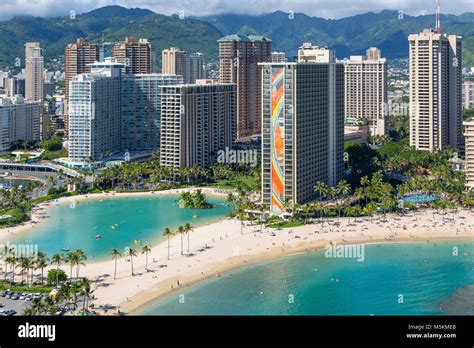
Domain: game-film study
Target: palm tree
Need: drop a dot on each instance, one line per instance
(288, 205)
(343, 188)
(167, 233)
(332, 193)
(14, 261)
(188, 228)
(10, 260)
(71, 260)
(57, 259)
(86, 291)
(364, 181)
(64, 293)
(181, 231)
(321, 188)
(316, 207)
(5, 254)
(115, 255)
(80, 257)
(26, 263)
(348, 212)
(37, 306)
(41, 263)
(240, 214)
(146, 250)
(131, 253)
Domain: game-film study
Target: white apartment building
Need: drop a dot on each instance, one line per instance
(20, 119)
(469, 153)
(279, 57)
(366, 93)
(468, 94)
(95, 112)
(315, 54)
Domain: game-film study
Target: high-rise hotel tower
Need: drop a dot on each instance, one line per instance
(197, 121)
(138, 56)
(435, 91)
(239, 57)
(366, 90)
(303, 127)
(34, 71)
(78, 56)
(95, 112)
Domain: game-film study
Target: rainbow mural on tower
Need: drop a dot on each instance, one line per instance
(278, 143)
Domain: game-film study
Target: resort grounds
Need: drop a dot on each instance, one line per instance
(225, 245)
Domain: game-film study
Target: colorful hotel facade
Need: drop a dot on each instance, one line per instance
(302, 128)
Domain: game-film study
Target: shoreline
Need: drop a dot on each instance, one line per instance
(39, 213)
(220, 247)
(142, 289)
(138, 310)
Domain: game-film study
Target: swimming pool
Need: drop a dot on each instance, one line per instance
(420, 198)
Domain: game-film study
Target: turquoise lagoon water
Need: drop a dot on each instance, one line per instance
(430, 278)
(75, 225)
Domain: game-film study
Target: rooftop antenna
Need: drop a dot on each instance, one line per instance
(102, 40)
(438, 17)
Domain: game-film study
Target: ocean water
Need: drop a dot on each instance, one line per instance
(120, 221)
(394, 279)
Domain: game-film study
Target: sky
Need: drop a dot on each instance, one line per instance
(319, 8)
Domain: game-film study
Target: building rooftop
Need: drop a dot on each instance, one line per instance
(240, 37)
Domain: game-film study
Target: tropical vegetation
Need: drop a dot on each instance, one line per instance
(194, 200)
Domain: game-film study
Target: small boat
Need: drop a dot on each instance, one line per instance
(114, 226)
(195, 216)
(65, 249)
(98, 236)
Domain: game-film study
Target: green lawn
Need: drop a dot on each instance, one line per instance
(250, 181)
(52, 155)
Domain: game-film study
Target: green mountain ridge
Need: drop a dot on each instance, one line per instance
(349, 36)
(115, 22)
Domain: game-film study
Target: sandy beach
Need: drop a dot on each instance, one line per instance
(219, 247)
(40, 212)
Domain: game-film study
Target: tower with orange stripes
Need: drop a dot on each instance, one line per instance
(302, 127)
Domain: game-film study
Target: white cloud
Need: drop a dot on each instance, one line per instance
(319, 8)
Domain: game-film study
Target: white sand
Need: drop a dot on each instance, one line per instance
(229, 249)
(41, 211)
